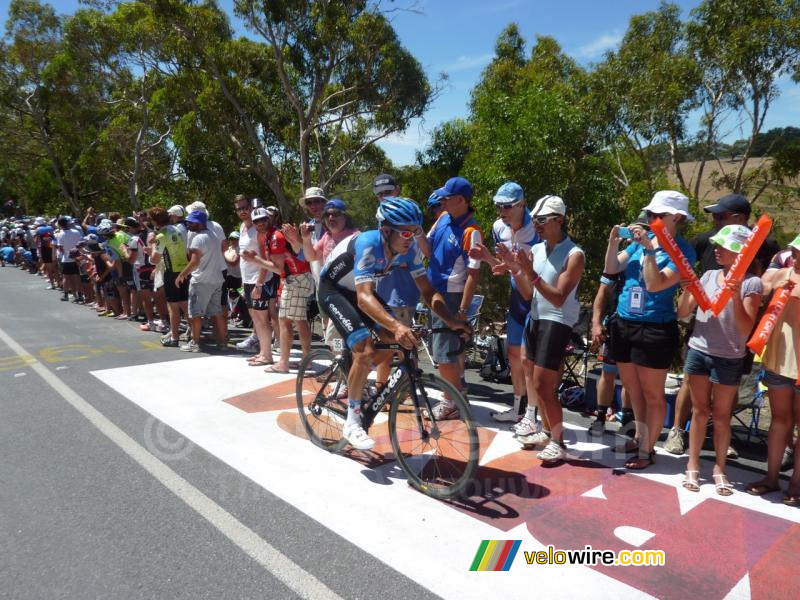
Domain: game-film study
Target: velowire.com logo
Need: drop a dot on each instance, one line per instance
(495, 555)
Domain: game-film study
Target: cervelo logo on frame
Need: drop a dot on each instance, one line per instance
(495, 555)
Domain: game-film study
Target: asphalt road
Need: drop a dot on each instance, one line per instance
(87, 509)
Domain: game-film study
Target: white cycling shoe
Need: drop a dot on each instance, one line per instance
(357, 437)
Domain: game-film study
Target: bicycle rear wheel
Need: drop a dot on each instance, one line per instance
(321, 382)
(438, 457)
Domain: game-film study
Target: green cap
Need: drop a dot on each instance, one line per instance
(732, 237)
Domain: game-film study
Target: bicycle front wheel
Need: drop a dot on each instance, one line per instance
(439, 457)
(322, 399)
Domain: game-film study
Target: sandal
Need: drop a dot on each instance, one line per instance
(629, 447)
(759, 488)
(691, 481)
(274, 369)
(260, 363)
(791, 497)
(641, 461)
(723, 485)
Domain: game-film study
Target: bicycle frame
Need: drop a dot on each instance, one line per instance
(374, 404)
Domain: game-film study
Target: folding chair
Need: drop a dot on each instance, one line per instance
(576, 361)
(754, 405)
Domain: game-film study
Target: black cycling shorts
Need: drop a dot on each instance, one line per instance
(341, 307)
(269, 290)
(127, 275)
(546, 342)
(146, 282)
(172, 291)
(69, 268)
(651, 345)
(47, 255)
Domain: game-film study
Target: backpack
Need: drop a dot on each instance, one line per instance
(495, 367)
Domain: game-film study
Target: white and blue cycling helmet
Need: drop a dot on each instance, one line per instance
(398, 211)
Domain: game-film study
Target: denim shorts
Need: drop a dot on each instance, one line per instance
(724, 371)
(773, 380)
(446, 342)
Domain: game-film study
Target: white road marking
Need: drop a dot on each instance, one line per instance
(276, 563)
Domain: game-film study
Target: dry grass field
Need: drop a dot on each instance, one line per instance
(785, 213)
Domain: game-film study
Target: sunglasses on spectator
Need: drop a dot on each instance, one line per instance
(404, 233)
(544, 219)
(314, 201)
(242, 208)
(261, 220)
(724, 215)
(334, 214)
(508, 205)
(652, 215)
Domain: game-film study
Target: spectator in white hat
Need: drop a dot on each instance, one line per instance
(644, 335)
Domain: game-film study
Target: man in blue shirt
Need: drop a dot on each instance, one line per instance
(453, 274)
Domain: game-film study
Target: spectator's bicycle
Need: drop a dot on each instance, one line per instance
(438, 457)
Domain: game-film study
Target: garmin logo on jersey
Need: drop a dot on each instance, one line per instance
(335, 270)
(335, 312)
(389, 385)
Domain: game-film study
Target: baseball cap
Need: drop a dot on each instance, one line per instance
(383, 183)
(259, 213)
(336, 204)
(131, 222)
(795, 243)
(197, 205)
(176, 211)
(121, 223)
(508, 192)
(670, 202)
(549, 205)
(234, 235)
(455, 186)
(735, 203)
(197, 216)
(731, 237)
(434, 200)
(641, 219)
(312, 192)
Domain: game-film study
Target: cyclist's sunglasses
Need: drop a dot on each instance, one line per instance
(544, 219)
(404, 233)
(507, 205)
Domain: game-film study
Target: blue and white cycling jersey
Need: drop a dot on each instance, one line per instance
(522, 239)
(359, 258)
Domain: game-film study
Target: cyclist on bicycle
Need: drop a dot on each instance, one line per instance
(347, 296)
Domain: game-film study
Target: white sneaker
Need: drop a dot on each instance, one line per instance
(540, 438)
(445, 412)
(190, 346)
(553, 452)
(506, 416)
(357, 437)
(249, 345)
(526, 427)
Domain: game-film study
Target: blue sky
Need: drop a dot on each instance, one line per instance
(457, 37)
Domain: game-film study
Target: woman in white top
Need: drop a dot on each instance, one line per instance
(549, 276)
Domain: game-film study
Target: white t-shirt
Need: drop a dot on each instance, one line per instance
(208, 270)
(67, 240)
(248, 240)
